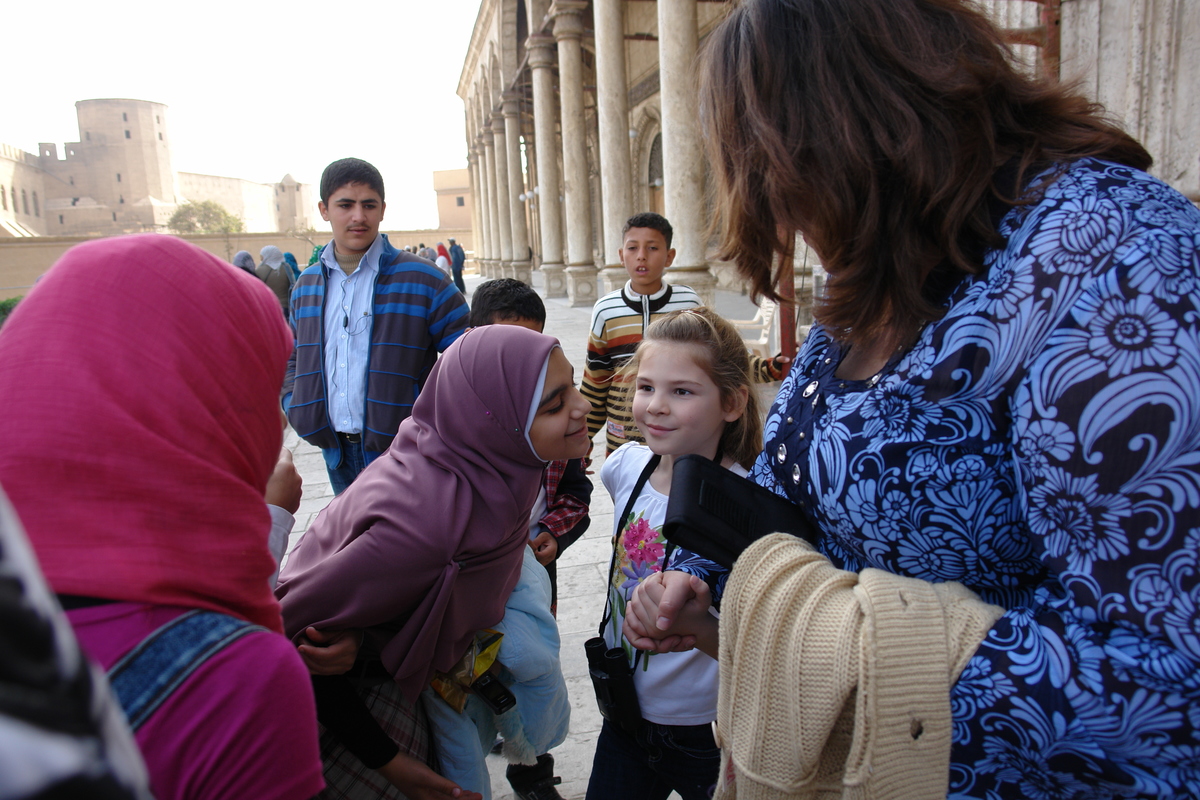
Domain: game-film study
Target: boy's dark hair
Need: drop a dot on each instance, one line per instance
(505, 299)
(350, 170)
(648, 219)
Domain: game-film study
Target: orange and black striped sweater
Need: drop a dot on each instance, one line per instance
(618, 322)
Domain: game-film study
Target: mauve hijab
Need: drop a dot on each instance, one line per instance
(243, 259)
(424, 548)
(141, 421)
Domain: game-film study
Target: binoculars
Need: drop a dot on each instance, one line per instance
(612, 678)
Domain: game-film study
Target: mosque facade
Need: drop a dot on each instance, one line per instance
(579, 113)
(118, 178)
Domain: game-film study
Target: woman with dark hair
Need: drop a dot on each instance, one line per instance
(993, 424)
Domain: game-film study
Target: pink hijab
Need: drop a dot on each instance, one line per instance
(140, 392)
(425, 546)
(442, 251)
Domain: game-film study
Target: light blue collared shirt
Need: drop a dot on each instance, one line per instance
(349, 314)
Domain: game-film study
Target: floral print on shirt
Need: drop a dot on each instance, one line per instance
(640, 552)
(1041, 444)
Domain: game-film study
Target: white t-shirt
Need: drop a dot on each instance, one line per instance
(673, 688)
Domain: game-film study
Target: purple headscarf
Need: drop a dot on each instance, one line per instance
(424, 548)
(244, 260)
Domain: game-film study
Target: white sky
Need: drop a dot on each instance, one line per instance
(256, 89)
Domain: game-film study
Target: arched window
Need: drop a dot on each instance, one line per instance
(14, 197)
(654, 175)
(37, 212)
(4, 196)
(25, 202)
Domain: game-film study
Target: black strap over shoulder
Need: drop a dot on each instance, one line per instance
(651, 465)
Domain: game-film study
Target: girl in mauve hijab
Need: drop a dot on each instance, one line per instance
(141, 422)
(426, 545)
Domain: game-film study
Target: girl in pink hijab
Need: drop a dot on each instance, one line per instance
(141, 422)
(426, 545)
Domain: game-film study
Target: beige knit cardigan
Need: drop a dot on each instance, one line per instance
(836, 684)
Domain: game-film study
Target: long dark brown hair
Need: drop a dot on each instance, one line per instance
(877, 129)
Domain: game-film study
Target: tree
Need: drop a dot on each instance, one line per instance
(207, 216)
(7, 306)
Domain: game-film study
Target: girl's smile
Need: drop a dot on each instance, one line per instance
(676, 405)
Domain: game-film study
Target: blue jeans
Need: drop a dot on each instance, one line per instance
(344, 463)
(662, 758)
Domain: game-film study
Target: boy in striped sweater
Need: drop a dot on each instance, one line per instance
(620, 317)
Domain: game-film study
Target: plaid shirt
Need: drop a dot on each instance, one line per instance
(563, 511)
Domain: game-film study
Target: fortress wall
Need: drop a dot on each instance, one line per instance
(22, 261)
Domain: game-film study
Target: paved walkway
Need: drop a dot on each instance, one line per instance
(582, 569)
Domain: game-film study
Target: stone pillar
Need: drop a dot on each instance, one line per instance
(503, 196)
(489, 161)
(532, 211)
(616, 171)
(683, 158)
(516, 187)
(581, 263)
(476, 219)
(487, 243)
(540, 48)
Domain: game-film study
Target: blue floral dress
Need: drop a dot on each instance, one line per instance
(1040, 444)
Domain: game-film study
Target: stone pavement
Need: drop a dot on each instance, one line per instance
(582, 569)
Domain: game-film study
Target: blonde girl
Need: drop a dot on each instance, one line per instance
(692, 395)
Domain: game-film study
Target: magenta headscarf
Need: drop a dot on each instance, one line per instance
(140, 383)
(425, 546)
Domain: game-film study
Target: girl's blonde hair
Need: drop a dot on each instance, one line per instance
(726, 362)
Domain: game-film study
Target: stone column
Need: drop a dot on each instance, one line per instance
(476, 219)
(487, 244)
(532, 211)
(616, 171)
(503, 196)
(519, 267)
(489, 160)
(581, 263)
(683, 159)
(540, 48)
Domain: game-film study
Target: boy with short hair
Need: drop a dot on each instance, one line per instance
(620, 318)
(369, 321)
(507, 301)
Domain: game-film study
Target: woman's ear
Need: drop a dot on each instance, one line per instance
(736, 405)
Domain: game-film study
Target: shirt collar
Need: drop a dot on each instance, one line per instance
(636, 296)
(369, 262)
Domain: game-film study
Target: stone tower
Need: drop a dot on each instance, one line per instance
(119, 174)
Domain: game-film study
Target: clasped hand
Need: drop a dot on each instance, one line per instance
(669, 613)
